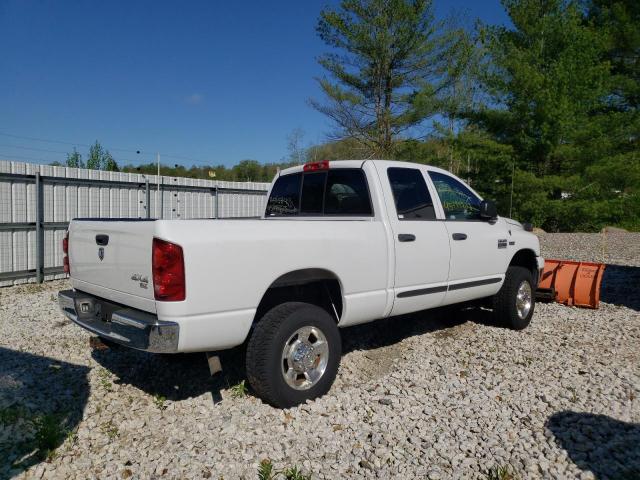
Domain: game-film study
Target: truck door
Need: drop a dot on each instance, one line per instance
(421, 241)
(478, 247)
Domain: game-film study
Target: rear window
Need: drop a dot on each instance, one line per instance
(347, 193)
(285, 196)
(312, 192)
(342, 191)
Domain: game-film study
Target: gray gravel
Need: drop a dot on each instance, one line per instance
(444, 394)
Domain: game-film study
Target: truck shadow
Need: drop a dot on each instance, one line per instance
(182, 376)
(607, 447)
(620, 286)
(34, 421)
(175, 377)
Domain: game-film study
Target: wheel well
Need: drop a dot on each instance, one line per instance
(313, 285)
(526, 259)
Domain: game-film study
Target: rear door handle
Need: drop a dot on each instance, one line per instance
(406, 237)
(459, 236)
(102, 240)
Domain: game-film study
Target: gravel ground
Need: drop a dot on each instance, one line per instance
(441, 394)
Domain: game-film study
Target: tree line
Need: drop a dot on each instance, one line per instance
(541, 115)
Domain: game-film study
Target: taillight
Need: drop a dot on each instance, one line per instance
(168, 271)
(315, 166)
(65, 250)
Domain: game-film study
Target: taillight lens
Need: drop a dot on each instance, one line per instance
(65, 250)
(168, 271)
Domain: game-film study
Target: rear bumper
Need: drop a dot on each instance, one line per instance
(129, 327)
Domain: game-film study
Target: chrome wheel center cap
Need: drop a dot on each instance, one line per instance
(303, 358)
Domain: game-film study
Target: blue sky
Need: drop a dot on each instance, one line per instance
(212, 81)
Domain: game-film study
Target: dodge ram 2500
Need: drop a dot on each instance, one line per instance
(340, 243)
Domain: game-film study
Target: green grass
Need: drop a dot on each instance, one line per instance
(501, 472)
(47, 430)
(266, 471)
(160, 401)
(11, 415)
(239, 390)
(105, 379)
(110, 429)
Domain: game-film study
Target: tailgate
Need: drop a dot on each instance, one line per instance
(112, 258)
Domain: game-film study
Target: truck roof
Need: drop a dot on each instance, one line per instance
(358, 164)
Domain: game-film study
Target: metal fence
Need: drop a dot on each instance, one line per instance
(38, 201)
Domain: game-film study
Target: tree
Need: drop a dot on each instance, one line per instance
(546, 80)
(388, 70)
(109, 163)
(295, 140)
(74, 159)
(95, 157)
(100, 159)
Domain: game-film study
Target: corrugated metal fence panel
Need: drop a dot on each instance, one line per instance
(65, 201)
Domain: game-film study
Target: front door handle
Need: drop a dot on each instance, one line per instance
(459, 236)
(406, 237)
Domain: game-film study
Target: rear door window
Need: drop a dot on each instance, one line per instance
(410, 194)
(285, 196)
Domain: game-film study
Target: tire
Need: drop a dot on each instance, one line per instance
(289, 337)
(505, 302)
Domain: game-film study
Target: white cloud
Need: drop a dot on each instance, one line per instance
(194, 99)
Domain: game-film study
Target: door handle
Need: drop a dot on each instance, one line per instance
(102, 240)
(459, 236)
(406, 237)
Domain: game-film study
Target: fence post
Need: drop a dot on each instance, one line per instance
(217, 213)
(147, 196)
(161, 193)
(39, 229)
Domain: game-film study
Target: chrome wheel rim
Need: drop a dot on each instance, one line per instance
(524, 300)
(304, 358)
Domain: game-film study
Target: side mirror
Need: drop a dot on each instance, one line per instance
(488, 210)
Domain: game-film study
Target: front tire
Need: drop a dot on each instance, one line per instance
(293, 354)
(513, 305)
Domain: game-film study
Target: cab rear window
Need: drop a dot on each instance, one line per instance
(338, 192)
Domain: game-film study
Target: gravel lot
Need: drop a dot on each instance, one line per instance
(442, 394)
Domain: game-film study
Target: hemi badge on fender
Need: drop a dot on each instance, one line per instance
(502, 243)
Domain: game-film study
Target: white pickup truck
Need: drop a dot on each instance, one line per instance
(340, 243)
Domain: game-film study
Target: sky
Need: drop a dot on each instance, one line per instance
(201, 82)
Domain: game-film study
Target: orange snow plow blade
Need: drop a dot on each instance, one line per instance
(571, 283)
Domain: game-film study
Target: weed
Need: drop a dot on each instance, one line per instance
(10, 415)
(293, 473)
(72, 438)
(266, 471)
(239, 390)
(105, 379)
(110, 429)
(501, 472)
(160, 401)
(50, 432)
(574, 397)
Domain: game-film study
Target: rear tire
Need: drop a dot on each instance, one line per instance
(293, 354)
(514, 304)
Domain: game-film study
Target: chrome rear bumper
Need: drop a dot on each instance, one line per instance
(129, 327)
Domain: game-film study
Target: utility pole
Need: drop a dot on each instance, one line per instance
(513, 173)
